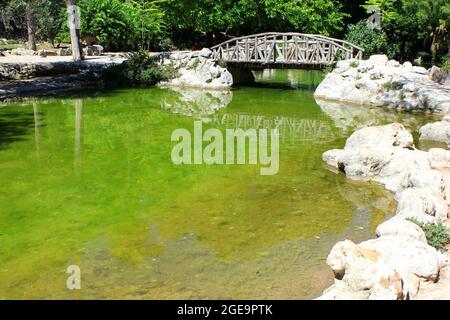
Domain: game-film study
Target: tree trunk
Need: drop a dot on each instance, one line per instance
(31, 26)
(74, 28)
(434, 49)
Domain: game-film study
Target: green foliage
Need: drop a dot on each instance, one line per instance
(372, 41)
(252, 16)
(415, 25)
(222, 63)
(139, 70)
(438, 236)
(388, 86)
(120, 26)
(195, 63)
(45, 14)
(354, 64)
(445, 67)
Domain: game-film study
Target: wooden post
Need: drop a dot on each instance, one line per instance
(74, 28)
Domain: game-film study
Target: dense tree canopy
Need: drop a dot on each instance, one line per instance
(410, 28)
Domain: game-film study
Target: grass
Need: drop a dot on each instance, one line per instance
(438, 236)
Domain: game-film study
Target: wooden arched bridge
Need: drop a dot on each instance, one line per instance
(285, 50)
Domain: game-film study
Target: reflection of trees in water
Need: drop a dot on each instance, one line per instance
(289, 78)
(15, 126)
(291, 130)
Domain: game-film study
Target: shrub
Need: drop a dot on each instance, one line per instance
(354, 64)
(139, 70)
(445, 67)
(438, 236)
(222, 63)
(388, 86)
(372, 41)
(119, 25)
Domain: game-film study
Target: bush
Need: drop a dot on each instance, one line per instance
(139, 70)
(119, 25)
(372, 41)
(438, 236)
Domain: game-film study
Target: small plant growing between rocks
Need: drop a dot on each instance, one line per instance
(438, 236)
(402, 95)
(139, 70)
(195, 63)
(170, 72)
(222, 63)
(354, 64)
(388, 86)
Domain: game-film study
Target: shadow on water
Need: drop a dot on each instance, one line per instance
(14, 127)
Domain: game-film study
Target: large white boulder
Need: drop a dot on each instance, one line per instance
(392, 135)
(380, 82)
(437, 131)
(401, 228)
(198, 70)
(422, 204)
(362, 270)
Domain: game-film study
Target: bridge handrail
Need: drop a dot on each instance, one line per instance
(312, 36)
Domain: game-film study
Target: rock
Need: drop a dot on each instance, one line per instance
(422, 204)
(204, 53)
(197, 69)
(432, 179)
(379, 82)
(439, 158)
(407, 256)
(45, 53)
(401, 228)
(393, 135)
(437, 75)
(362, 270)
(94, 50)
(22, 52)
(331, 157)
(407, 65)
(379, 60)
(389, 267)
(393, 63)
(437, 131)
(64, 52)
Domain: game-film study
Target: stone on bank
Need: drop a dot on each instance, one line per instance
(382, 82)
(395, 264)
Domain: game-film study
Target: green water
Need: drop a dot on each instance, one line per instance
(87, 180)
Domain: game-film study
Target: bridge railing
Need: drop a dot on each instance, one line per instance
(286, 48)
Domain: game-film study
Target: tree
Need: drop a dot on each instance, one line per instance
(74, 29)
(416, 23)
(373, 41)
(434, 17)
(241, 17)
(35, 19)
(31, 24)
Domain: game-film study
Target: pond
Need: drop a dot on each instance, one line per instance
(87, 179)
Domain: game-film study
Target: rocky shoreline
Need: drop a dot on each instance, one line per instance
(387, 83)
(399, 261)
(34, 74)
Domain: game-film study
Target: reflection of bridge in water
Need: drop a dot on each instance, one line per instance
(291, 130)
